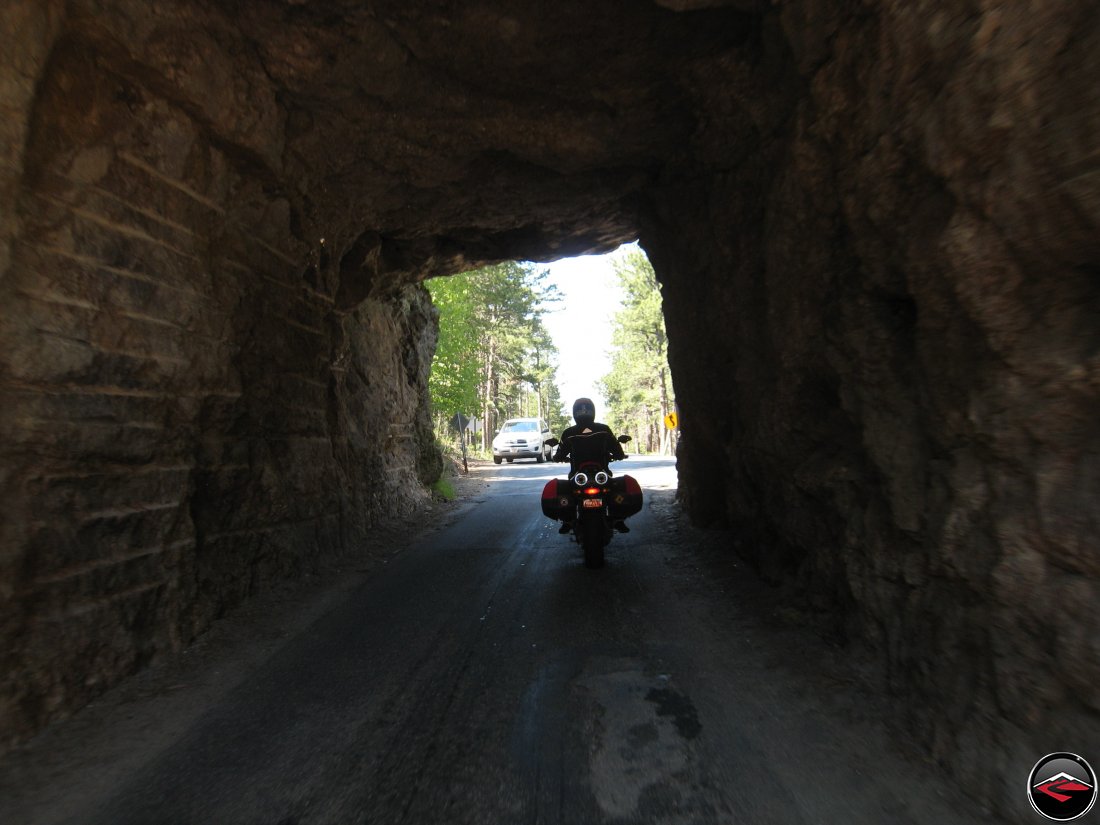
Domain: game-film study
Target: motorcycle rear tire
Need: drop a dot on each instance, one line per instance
(592, 540)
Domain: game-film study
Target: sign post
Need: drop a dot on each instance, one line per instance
(459, 423)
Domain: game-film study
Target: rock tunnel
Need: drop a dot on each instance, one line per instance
(877, 227)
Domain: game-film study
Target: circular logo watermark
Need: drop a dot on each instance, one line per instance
(1062, 786)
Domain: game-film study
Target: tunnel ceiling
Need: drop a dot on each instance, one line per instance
(451, 135)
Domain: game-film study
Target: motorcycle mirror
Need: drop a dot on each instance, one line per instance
(552, 442)
(623, 439)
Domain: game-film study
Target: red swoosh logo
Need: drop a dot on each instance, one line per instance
(1050, 788)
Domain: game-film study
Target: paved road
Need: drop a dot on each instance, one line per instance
(484, 675)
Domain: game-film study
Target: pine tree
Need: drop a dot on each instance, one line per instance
(494, 359)
(638, 387)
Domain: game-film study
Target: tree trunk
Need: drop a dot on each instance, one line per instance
(487, 428)
(665, 432)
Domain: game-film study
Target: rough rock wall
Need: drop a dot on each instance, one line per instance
(186, 415)
(894, 273)
(215, 218)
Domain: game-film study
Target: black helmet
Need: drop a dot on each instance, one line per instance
(584, 411)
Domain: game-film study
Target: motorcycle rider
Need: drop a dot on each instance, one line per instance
(593, 440)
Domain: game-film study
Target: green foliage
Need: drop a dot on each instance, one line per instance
(637, 388)
(444, 489)
(494, 359)
(453, 380)
(555, 409)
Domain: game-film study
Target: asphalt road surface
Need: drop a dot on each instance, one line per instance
(484, 675)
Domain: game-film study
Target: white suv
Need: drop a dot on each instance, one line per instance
(522, 438)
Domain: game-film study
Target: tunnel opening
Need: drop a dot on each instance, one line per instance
(523, 339)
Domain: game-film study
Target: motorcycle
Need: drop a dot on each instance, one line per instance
(592, 499)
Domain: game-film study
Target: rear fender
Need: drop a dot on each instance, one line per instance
(596, 516)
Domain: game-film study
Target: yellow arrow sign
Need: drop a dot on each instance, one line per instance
(671, 421)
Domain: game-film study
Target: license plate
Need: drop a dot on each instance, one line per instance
(592, 502)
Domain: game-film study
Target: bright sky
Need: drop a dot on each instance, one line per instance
(581, 326)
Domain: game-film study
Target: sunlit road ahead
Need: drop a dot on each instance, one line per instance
(485, 675)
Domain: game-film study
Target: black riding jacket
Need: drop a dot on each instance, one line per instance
(588, 442)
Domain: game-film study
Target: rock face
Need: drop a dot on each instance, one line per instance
(876, 227)
(189, 412)
(897, 290)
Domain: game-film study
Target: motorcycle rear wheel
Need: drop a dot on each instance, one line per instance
(592, 540)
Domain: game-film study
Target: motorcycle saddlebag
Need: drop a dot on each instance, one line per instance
(555, 505)
(626, 497)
